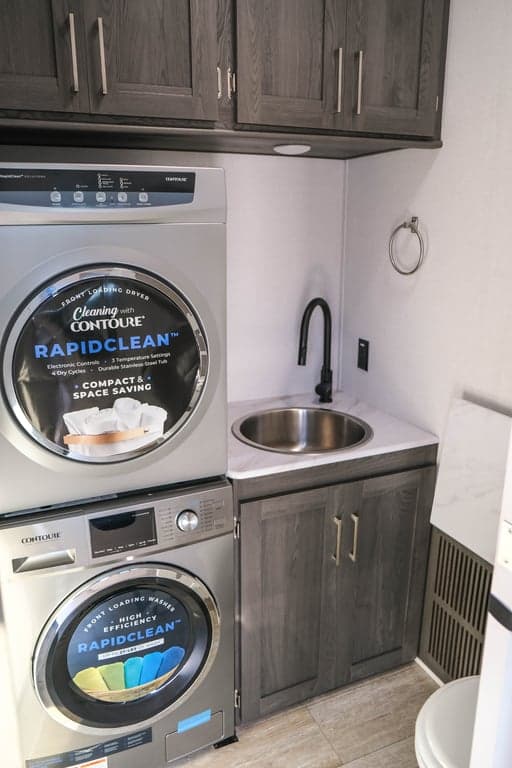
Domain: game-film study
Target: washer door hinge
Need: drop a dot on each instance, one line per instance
(236, 529)
(238, 698)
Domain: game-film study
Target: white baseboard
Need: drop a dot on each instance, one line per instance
(429, 672)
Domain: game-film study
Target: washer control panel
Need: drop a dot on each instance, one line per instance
(162, 521)
(116, 530)
(94, 189)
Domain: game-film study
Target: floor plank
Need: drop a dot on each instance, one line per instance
(291, 738)
(366, 717)
(365, 725)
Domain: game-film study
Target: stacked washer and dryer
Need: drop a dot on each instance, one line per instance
(116, 521)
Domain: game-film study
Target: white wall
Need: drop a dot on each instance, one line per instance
(447, 330)
(284, 246)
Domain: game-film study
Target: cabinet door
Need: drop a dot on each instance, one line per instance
(287, 61)
(381, 583)
(41, 64)
(287, 601)
(394, 71)
(156, 58)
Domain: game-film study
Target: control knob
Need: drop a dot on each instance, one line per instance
(187, 521)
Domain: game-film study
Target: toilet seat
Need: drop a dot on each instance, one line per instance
(444, 726)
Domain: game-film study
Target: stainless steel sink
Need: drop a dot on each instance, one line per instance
(301, 430)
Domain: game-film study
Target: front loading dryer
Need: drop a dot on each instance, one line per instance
(112, 309)
(118, 620)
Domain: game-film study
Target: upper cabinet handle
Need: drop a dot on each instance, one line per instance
(359, 82)
(219, 83)
(103, 65)
(340, 79)
(353, 553)
(231, 82)
(74, 58)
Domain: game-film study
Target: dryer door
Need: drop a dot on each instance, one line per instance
(125, 647)
(104, 364)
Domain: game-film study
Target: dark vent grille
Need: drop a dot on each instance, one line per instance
(455, 609)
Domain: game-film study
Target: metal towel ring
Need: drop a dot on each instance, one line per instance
(413, 226)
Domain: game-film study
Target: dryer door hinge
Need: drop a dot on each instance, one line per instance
(236, 528)
(238, 698)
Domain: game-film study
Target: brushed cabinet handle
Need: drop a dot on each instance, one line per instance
(103, 64)
(231, 82)
(219, 84)
(340, 79)
(339, 526)
(353, 553)
(359, 82)
(74, 58)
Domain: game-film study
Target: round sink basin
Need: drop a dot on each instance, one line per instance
(301, 430)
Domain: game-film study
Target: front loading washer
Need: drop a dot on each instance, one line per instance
(112, 309)
(119, 629)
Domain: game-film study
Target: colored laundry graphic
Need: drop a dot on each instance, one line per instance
(131, 679)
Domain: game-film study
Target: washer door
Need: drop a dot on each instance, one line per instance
(125, 647)
(104, 364)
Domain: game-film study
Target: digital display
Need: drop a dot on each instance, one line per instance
(122, 532)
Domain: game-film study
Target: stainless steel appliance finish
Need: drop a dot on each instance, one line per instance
(302, 430)
(113, 288)
(93, 596)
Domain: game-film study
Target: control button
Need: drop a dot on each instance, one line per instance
(78, 197)
(122, 197)
(143, 197)
(187, 521)
(101, 197)
(55, 196)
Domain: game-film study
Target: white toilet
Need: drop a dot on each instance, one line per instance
(444, 727)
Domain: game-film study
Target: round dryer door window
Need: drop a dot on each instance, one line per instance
(105, 364)
(127, 646)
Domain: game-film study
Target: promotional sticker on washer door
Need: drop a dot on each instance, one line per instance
(107, 365)
(129, 645)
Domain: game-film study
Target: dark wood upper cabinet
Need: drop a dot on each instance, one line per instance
(394, 66)
(286, 61)
(347, 77)
(41, 56)
(346, 65)
(156, 58)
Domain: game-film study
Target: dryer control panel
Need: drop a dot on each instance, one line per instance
(95, 189)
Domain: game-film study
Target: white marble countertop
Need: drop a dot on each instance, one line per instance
(389, 434)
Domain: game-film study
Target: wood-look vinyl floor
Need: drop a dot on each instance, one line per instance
(365, 725)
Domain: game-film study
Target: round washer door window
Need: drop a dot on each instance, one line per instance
(126, 646)
(105, 364)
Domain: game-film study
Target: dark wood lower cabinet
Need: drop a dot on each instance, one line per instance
(332, 585)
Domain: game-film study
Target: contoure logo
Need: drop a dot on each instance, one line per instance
(40, 537)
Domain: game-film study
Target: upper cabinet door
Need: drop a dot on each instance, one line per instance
(287, 61)
(394, 56)
(156, 58)
(41, 64)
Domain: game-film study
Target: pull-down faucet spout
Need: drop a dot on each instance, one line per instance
(324, 388)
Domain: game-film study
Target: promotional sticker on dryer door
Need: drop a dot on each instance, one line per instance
(107, 365)
(129, 645)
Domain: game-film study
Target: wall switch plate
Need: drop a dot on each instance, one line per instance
(363, 351)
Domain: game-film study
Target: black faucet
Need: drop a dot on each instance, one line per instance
(324, 389)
